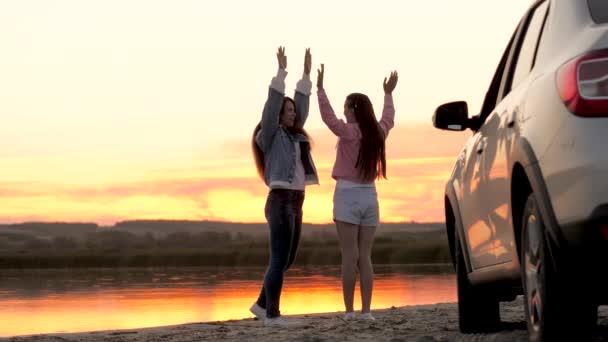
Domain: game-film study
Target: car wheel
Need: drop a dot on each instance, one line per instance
(554, 308)
(478, 309)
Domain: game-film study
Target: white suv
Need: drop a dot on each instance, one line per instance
(527, 202)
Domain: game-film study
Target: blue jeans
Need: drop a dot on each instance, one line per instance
(284, 215)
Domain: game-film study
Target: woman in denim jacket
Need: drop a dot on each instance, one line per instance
(282, 153)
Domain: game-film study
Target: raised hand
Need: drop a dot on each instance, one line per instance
(281, 58)
(320, 73)
(390, 85)
(307, 62)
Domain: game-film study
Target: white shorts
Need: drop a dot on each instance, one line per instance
(356, 203)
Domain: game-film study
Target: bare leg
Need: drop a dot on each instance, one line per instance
(366, 240)
(347, 235)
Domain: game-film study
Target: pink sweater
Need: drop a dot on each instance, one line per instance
(350, 136)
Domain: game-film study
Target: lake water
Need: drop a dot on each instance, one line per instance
(50, 301)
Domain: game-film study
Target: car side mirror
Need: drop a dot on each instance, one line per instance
(452, 116)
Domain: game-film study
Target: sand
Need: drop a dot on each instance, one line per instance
(425, 323)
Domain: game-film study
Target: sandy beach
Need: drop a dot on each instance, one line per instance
(424, 323)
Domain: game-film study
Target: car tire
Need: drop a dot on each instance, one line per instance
(478, 309)
(555, 305)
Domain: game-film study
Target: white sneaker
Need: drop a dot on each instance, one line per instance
(280, 322)
(258, 311)
(367, 316)
(349, 316)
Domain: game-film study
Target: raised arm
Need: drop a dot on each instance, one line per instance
(387, 121)
(302, 94)
(337, 126)
(272, 107)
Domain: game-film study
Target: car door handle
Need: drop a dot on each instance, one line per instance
(481, 146)
(511, 119)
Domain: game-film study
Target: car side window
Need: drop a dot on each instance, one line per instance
(529, 45)
(492, 97)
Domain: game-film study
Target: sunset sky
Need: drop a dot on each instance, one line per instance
(143, 109)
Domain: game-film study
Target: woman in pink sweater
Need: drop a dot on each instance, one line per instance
(360, 159)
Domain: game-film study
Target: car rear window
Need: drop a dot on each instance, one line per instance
(599, 10)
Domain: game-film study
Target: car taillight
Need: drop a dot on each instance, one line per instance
(583, 84)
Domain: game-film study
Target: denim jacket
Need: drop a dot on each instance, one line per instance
(277, 143)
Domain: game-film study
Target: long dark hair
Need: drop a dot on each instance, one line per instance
(258, 154)
(371, 160)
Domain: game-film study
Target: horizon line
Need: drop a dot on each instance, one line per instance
(195, 221)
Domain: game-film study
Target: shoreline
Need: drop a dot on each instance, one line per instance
(425, 323)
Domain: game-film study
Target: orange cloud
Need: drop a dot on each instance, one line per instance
(230, 190)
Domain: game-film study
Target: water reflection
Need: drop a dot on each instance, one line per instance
(44, 301)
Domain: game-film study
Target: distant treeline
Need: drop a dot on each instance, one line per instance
(93, 247)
